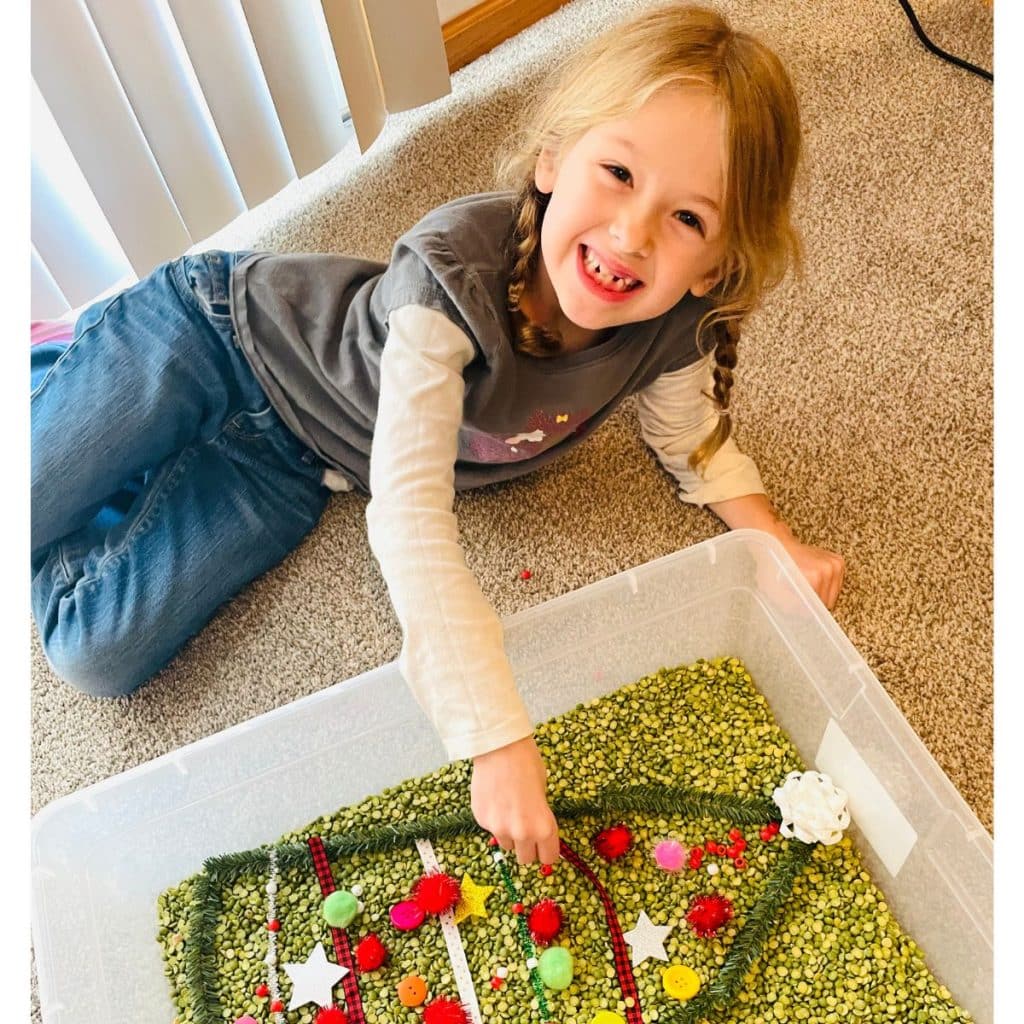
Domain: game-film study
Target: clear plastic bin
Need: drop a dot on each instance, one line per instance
(101, 856)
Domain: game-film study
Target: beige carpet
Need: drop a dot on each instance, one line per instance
(864, 396)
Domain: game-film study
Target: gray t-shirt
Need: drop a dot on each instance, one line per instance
(313, 327)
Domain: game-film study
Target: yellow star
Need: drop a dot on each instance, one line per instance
(474, 900)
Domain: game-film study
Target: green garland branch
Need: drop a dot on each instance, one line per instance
(749, 943)
(222, 871)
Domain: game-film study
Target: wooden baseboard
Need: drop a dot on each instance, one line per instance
(480, 29)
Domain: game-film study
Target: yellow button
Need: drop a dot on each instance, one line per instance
(606, 1017)
(681, 982)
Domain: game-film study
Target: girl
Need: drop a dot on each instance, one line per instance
(189, 435)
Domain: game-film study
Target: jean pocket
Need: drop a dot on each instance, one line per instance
(208, 276)
(251, 426)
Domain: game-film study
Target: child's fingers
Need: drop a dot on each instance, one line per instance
(547, 850)
(526, 851)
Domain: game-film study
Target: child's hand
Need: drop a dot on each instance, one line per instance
(823, 568)
(509, 799)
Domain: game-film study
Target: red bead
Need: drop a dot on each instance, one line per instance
(766, 834)
(274, 925)
(496, 983)
(734, 834)
(493, 841)
(732, 852)
(740, 844)
(517, 908)
(277, 1006)
(525, 574)
(546, 869)
(739, 864)
(262, 991)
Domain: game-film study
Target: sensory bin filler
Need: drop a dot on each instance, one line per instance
(704, 876)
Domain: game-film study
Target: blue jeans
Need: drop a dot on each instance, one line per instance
(162, 480)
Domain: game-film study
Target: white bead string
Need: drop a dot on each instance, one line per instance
(271, 958)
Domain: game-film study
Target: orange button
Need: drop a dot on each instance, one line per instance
(412, 990)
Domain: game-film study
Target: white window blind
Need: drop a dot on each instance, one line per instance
(157, 122)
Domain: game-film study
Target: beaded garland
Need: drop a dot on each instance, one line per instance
(726, 823)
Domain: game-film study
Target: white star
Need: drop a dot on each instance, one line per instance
(647, 939)
(312, 981)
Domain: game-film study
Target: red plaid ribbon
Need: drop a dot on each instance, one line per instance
(623, 961)
(342, 950)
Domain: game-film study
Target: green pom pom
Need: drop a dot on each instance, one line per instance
(340, 908)
(555, 968)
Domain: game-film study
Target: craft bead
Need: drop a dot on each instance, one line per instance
(412, 990)
(712, 869)
(340, 908)
(356, 890)
(271, 888)
(606, 1017)
(502, 972)
(531, 962)
(681, 982)
(556, 968)
(246, 1020)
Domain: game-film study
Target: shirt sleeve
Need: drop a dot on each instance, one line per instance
(676, 415)
(453, 656)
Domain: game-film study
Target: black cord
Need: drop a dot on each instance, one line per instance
(941, 53)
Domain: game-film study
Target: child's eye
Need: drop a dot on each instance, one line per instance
(690, 220)
(618, 172)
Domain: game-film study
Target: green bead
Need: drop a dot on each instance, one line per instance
(555, 968)
(340, 908)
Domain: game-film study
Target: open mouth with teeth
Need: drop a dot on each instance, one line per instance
(605, 278)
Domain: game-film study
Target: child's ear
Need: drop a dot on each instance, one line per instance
(545, 170)
(706, 283)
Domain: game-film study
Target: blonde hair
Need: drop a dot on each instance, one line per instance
(610, 79)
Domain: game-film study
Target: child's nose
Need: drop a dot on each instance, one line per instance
(630, 231)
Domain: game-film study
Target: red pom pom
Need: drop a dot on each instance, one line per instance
(545, 922)
(613, 842)
(435, 892)
(331, 1015)
(708, 913)
(445, 1011)
(370, 954)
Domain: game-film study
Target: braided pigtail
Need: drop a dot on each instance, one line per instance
(728, 336)
(531, 338)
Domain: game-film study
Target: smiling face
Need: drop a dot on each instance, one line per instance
(641, 199)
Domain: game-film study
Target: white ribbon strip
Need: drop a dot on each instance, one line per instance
(271, 958)
(452, 939)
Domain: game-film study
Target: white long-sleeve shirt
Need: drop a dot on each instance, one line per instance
(453, 656)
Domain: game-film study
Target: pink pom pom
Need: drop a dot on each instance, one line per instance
(669, 855)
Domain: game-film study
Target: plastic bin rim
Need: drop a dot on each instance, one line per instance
(732, 538)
